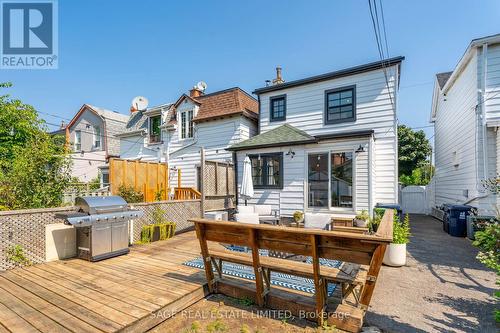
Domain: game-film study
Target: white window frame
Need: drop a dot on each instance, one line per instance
(97, 137)
(78, 141)
(330, 151)
(187, 125)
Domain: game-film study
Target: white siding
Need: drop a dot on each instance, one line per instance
(215, 136)
(293, 196)
(455, 139)
(493, 83)
(374, 111)
(133, 147)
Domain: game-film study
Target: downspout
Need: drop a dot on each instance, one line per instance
(483, 111)
(370, 168)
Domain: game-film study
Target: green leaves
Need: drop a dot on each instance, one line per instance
(401, 230)
(34, 166)
(413, 149)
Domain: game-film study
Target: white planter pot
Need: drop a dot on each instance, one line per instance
(395, 255)
(361, 223)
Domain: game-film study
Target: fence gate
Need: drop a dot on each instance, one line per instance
(413, 200)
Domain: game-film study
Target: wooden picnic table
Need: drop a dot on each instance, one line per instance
(364, 253)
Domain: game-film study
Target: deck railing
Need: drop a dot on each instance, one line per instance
(186, 193)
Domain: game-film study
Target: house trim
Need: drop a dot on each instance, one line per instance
(317, 138)
(333, 75)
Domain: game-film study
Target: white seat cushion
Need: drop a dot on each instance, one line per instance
(317, 221)
(250, 218)
(246, 209)
(264, 210)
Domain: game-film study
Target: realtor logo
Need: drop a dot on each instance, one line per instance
(29, 34)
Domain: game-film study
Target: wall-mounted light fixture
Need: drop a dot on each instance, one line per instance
(290, 153)
(360, 149)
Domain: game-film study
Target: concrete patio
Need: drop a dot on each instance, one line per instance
(443, 288)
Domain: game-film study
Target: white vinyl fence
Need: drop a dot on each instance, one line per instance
(413, 200)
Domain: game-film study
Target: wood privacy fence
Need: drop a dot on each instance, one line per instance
(150, 178)
(218, 187)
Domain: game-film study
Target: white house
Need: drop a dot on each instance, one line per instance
(466, 117)
(175, 132)
(91, 137)
(328, 142)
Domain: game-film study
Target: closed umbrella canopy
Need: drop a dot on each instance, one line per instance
(246, 190)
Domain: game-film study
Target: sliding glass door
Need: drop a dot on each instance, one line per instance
(330, 180)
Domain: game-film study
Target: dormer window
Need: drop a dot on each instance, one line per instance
(154, 129)
(187, 124)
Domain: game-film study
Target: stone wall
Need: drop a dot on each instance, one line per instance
(27, 227)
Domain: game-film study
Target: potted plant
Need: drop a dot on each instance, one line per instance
(362, 219)
(298, 216)
(375, 222)
(395, 253)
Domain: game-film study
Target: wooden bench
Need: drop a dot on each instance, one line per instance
(348, 275)
(343, 243)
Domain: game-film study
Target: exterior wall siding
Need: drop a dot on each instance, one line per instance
(375, 110)
(215, 136)
(293, 196)
(456, 129)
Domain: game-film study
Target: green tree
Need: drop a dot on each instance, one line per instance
(34, 166)
(419, 176)
(413, 150)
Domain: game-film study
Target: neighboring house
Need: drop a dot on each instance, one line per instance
(90, 136)
(466, 117)
(327, 143)
(174, 133)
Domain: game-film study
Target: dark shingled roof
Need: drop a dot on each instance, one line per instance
(287, 135)
(280, 136)
(443, 78)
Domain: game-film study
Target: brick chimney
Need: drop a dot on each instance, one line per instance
(278, 78)
(195, 92)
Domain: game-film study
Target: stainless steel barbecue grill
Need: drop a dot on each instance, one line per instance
(102, 226)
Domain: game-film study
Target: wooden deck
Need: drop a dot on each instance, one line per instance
(118, 294)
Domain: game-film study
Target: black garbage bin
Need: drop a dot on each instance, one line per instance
(446, 222)
(392, 206)
(456, 218)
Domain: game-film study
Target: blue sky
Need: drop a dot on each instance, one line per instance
(111, 51)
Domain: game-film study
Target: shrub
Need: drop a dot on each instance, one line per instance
(363, 215)
(15, 254)
(129, 194)
(401, 231)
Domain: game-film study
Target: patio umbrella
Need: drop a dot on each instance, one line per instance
(246, 190)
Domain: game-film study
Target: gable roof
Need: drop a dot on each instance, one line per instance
(280, 136)
(442, 78)
(288, 135)
(333, 75)
(228, 102)
(101, 112)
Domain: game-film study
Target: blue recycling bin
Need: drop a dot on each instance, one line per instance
(456, 219)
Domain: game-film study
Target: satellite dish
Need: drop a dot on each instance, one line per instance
(201, 86)
(140, 103)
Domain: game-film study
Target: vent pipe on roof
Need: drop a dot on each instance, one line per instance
(279, 78)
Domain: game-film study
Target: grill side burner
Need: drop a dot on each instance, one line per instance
(102, 228)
